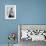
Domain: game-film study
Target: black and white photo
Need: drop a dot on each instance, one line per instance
(10, 11)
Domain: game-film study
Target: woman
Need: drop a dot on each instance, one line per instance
(11, 13)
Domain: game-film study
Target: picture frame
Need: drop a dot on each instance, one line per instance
(10, 11)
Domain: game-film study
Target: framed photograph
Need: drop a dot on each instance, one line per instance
(10, 11)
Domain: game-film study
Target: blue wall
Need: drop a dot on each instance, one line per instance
(27, 12)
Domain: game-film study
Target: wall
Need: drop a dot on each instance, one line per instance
(27, 12)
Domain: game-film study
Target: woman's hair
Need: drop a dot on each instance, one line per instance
(11, 8)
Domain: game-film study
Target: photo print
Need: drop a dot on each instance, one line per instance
(10, 11)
